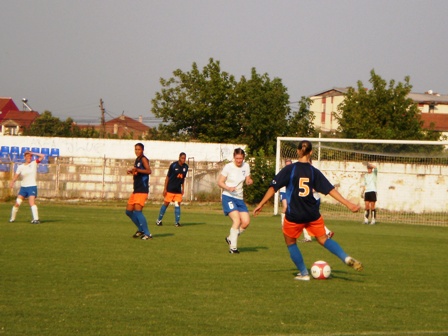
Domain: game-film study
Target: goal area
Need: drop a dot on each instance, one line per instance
(412, 177)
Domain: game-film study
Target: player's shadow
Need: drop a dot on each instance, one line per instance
(252, 248)
(193, 223)
(345, 275)
(162, 235)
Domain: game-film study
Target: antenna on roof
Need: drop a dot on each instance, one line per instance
(25, 105)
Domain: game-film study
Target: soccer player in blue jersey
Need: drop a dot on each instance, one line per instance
(174, 188)
(300, 179)
(137, 200)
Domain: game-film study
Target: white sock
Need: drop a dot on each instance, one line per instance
(35, 213)
(14, 212)
(233, 238)
(306, 235)
(282, 217)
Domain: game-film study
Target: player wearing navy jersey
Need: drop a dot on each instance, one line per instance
(173, 190)
(28, 187)
(303, 211)
(137, 200)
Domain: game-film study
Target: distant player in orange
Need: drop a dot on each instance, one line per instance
(174, 188)
(137, 200)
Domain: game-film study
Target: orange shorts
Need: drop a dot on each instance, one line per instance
(138, 198)
(294, 230)
(170, 197)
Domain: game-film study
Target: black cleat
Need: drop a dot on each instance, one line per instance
(159, 223)
(36, 221)
(138, 234)
(234, 251)
(228, 240)
(177, 224)
(146, 237)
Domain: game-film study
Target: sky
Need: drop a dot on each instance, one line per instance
(63, 56)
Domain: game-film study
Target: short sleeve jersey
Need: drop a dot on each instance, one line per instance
(28, 173)
(300, 179)
(370, 180)
(235, 177)
(176, 177)
(141, 181)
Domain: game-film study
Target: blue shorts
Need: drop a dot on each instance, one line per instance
(230, 204)
(282, 195)
(28, 191)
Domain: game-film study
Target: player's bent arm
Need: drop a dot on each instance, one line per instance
(269, 193)
(222, 183)
(147, 168)
(249, 180)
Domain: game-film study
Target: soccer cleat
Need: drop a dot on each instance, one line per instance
(159, 223)
(146, 237)
(301, 277)
(330, 235)
(177, 224)
(228, 240)
(138, 234)
(11, 220)
(306, 241)
(366, 221)
(354, 263)
(234, 251)
(373, 222)
(35, 221)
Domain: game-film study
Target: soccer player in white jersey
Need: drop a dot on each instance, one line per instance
(28, 186)
(231, 180)
(369, 190)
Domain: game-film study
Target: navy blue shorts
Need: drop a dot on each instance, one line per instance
(230, 204)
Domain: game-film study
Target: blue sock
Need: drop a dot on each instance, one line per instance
(142, 221)
(162, 211)
(297, 258)
(177, 213)
(336, 249)
(134, 220)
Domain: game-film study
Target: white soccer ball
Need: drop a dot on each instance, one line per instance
(320, 270)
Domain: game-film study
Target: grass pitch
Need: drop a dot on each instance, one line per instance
(81, 273)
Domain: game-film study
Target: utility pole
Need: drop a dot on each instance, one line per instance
(103, 120)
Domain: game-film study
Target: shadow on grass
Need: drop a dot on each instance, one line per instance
(161, 235)
(346, 275)
(252, 249)
(192, 224)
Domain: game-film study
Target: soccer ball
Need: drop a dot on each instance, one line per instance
(320, 270)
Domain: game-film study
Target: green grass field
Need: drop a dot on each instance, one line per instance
(81, 273)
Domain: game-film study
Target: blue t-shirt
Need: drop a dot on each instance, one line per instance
(176, 176)
(141, 181)
(300, 179)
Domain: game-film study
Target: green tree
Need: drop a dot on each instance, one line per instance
(262, 171)
(301, 123)
(211, 106)
(48, 125)
(263, 108)
(384, 112)
(197, 105)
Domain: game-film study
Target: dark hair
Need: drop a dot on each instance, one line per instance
(305, 147)
(182, 153)
(141, 145)
(239, 151)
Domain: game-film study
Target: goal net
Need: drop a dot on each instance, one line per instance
(412, 177)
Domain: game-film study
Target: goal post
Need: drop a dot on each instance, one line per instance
(412, 176)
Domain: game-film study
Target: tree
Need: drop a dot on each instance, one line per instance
(384, 112)
(211, 106)
(263, 107)
(197, 105)
(47, 125)
(300, 123)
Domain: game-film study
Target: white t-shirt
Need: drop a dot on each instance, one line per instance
(28, 173)
(235, 178)
(370, 180)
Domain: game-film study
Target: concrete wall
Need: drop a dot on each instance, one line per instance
(124, 149)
